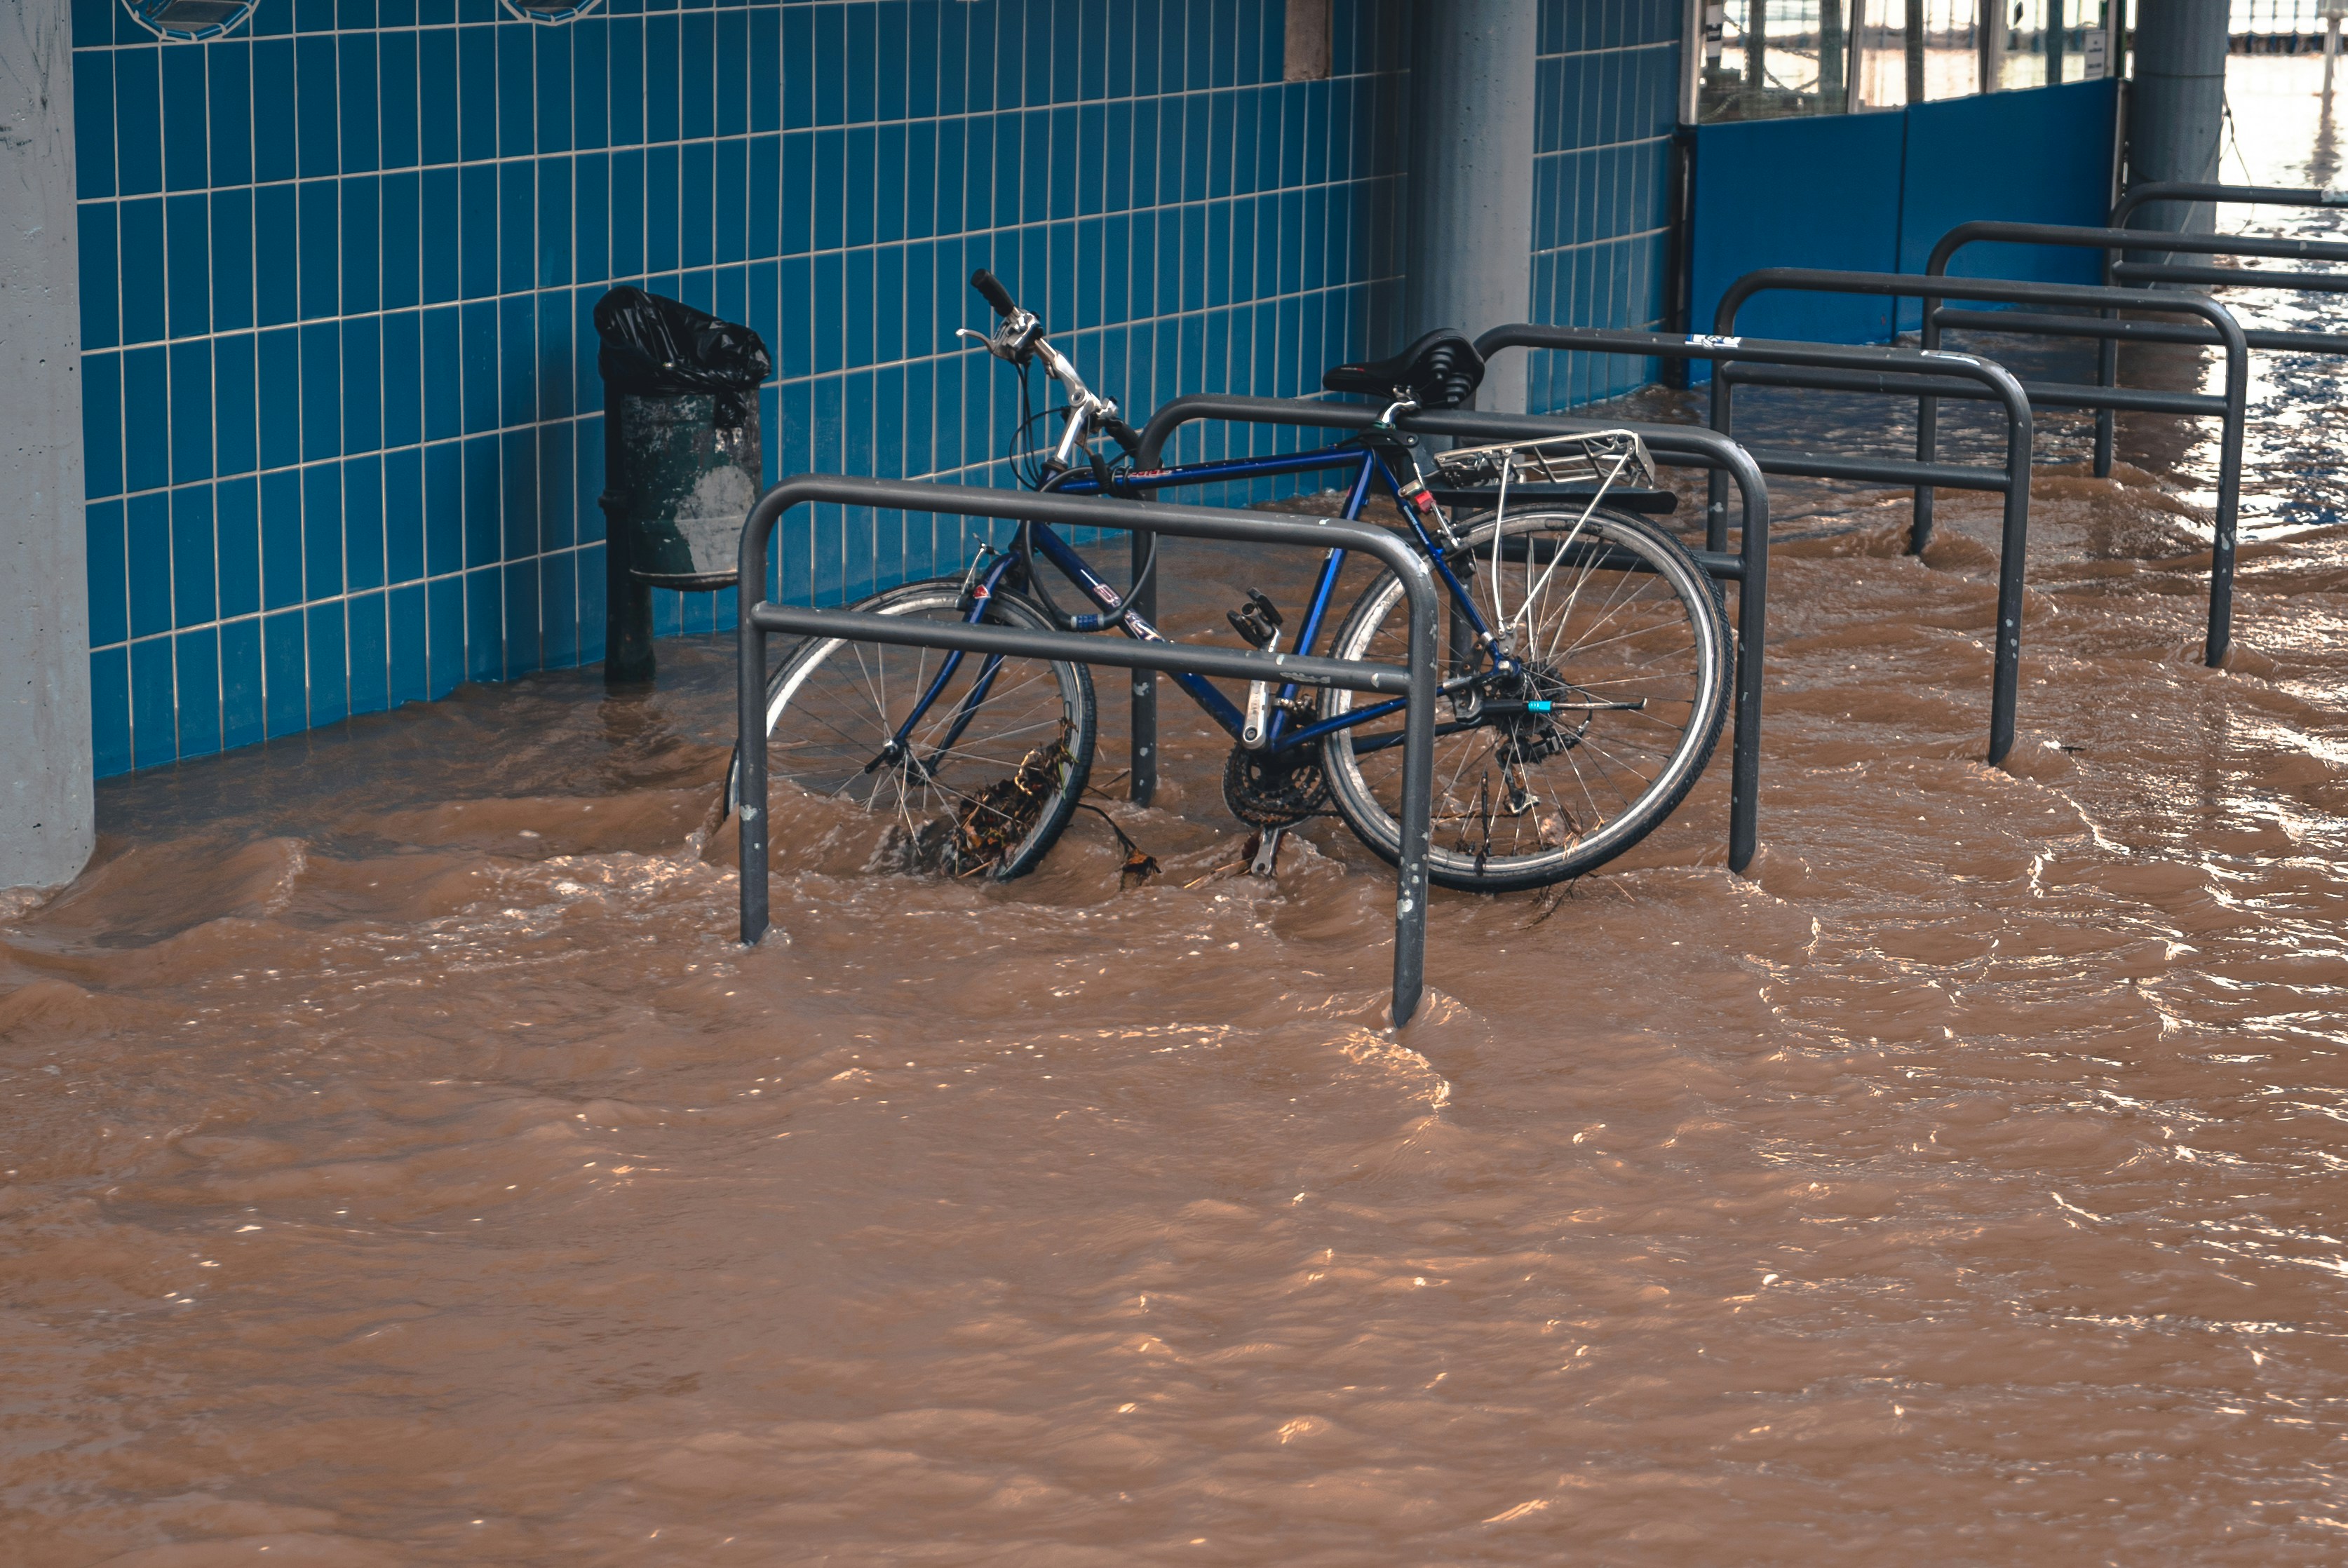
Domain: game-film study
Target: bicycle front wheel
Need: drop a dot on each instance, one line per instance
(982, 769)
(1624, 648)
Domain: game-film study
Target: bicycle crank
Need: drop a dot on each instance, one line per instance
(1274, 789)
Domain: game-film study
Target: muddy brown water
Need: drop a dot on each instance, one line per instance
(404, 1166)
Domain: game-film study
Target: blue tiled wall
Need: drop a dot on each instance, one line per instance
(343, 426)
(1608, 96)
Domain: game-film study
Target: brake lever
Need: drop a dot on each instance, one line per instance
(1014, 342)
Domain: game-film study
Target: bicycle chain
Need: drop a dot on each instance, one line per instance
(1266, 792)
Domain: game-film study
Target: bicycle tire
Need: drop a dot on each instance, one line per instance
(814, 691)
(1632, 632)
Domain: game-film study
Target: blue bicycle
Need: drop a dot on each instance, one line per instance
(1586, 676)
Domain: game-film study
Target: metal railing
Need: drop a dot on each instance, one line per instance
(1671, 446)
(2227, 408)
(1418, 681)
(2117, 241)
(1895, 372)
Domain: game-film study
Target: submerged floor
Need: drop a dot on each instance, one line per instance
(403, 1166)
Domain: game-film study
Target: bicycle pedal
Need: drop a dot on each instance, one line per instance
(1250, 627)
(1258, 621)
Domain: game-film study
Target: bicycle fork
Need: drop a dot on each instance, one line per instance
(898, 751)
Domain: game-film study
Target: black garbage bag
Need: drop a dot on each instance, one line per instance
(682, 455)
(654, 344)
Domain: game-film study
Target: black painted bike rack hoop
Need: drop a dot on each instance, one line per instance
(2115, 241)
(1418, 682)
(2107, 302)
(2275, 246)
(2118, 239)
(2194, 190)
(1840, 367)
(1672, 445)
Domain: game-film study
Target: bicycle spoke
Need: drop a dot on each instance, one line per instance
(1537, 780)
(844, 723)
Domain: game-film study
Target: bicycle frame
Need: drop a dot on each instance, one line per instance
(1369, 466)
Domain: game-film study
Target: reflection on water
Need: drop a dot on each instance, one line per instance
(402, 1166)
(2282, 130)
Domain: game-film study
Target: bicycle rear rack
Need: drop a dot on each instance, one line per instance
(2226, 409)
(1417, 682)
(1675, 446)
(1897, 372)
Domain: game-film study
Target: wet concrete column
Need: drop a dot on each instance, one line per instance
(1469, 262)
(45, 815)
(2176, 105)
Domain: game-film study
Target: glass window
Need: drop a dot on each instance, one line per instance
(1772, 58)
(1940, 57)
(1766, 59)
(2045, 41)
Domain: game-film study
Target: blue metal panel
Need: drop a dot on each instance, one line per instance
(1874, 192)
(1821, 191)
(2042, 156)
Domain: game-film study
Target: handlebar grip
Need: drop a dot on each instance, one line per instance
(1123, 435)
(990, 289)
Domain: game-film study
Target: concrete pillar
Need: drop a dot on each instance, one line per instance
(1469, 261)
(45, 815)
(2176, 107)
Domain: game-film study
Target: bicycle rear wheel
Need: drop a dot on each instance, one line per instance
(987, 774)
(1625, 649)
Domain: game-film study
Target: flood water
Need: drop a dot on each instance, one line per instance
(403, 1164)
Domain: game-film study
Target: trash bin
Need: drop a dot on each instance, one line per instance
(681, 457)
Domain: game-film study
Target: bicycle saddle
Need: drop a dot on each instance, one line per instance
(1441, 370)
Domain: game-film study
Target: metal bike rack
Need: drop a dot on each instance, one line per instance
(2117, 239)
(1896, 372)
(2226, 409)
(1676, 446)
(1418, 682)
(2239, 195)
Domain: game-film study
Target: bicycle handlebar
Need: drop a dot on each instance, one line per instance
(1019, 339)
(990, 289)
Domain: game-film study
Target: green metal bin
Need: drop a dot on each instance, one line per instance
(682, 461)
